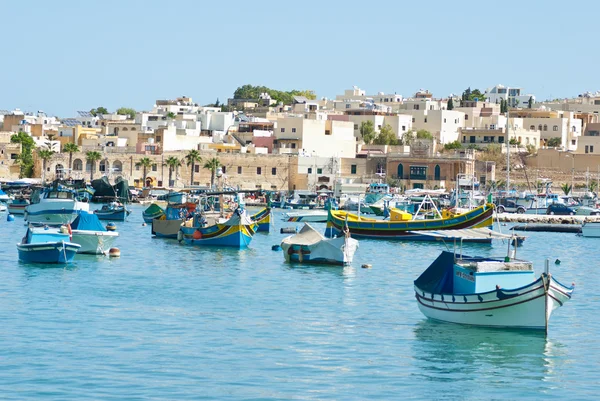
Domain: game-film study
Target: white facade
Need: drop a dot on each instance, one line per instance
(400, 123)
(512, 95)
(442, 124)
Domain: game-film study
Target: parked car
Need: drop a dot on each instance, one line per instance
(509, 206)
(587, 211)
(560, 209)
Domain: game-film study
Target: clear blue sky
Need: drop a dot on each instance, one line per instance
(63, 56)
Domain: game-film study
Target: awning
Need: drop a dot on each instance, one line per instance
(471, 234)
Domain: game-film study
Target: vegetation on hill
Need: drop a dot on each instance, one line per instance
(285, 97)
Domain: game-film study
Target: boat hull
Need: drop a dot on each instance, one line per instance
(94, 242)
(17, 209)
(591, 229)
(51, 252)
(528, 307)
(334, 251)
(263, 220)
(235, 236)
(117, 215)
(166, 228)
(308, 217)
(54, 212)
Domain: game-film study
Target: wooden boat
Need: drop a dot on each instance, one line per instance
(93, 237)
(47, 244)
(234, 231)
(401, 226)
(495, 292)
(115, 211)
(152, 212)
(263, 219)
(313, 216)
(591, 229)
(17, 205)
(310, 246)
(168, 225)
(55, 205)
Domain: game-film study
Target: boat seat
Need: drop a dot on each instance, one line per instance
(496, 266)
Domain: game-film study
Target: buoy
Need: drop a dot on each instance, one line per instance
(197, 234)
(114, 252)
(276, 248)
(366, 266)
(557, 262)
(179, 235)
(111, 226)
(144, 224)
(10, 217)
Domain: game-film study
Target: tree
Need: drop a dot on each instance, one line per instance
(170, 115)
(554, 142)
(212, 165)
(386, 136)
(145, 163)
(514, 141)
(25, 158)
(367, 132)
(253, 92)
(503, 106)
(92, 157)
(450, 104)
(424, 134)
(173, 163)
(126, 111)
(530, 102)
(217, 103)
(70, 148)
(99, 110)
(566, 188)
(469, 94)
(453, 145)
(192, 158)
(45, 155)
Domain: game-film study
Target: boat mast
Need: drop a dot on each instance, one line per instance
(507, 150)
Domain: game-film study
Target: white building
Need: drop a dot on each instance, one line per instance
(513, 95)
(444, 125)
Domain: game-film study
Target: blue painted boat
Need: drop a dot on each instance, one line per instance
(153, 212)
(235, 231)
(46, 244)
(17, 206)
(263, 219)
(54, 205)
(112, 211)
(168, 225)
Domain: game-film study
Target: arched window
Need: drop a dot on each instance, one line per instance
(540, 127)
(574, 128)
(77, 165)
(59, 171)
(437, 173)
(545, 127)
(124, 128)
(555, 128)
(133, 128)
(400, 171)
(116, 131)
(532, 127)
(117, 166)
(88, 165)
(103, 166)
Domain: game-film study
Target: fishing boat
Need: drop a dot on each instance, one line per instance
(313, 216)
(54, 205)
(4, 196)
(591, 229)
(3, 207)
(404, 225)
(115, 211)
(45, 244)
(494, 292)
(263, 219)
(91, 235)
(152, 212)
(168, 225)
(310, 246)
(234, 231)
(17, 205)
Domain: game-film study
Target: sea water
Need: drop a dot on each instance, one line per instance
(167, 321)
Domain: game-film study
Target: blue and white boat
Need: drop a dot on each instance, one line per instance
(153, 212)
(55, 205)
(235, 231)
(492, 292)
(168, 225)
(4, 196)
(310, 246)
(17, 205)
(114, 211)
(46, 244)
(94, 238)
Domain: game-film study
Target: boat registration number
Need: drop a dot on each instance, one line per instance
(465, 276)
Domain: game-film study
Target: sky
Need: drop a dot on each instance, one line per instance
(67, 55)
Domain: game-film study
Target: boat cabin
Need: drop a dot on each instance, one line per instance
(37, 235)
(378, 188)
(476, 275)
(58, 195)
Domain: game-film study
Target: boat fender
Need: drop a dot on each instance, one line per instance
(114, 252)
(276, 248)
(144, 224)
(366, 266)
(197, 234)
(179, 235)
(10, 217)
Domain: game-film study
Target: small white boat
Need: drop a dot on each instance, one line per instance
(94, 238)
(3, 207)
(54, 206)
(591, 229)
(493, 292)
(312, 216)
(310, 246)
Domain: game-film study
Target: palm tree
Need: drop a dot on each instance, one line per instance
(192, 158)
(93, 156)
(71, 148)
(172, 162)
(212, 165)
(566, 188)
(45, 155)
(145, 163)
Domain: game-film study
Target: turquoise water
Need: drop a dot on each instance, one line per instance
(170, 322)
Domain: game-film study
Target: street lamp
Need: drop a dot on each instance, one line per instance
(572, 156)
(219, 175)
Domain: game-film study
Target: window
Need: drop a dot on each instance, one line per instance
(591, 148)
(444, 120)
(485, 139)
(137, 167)
(574, 128)
(196, 168)
(355, 127)
(425, 119)
(154, 167)
(239, 169)
(418, 172)
(413, 119)
(500, 139)
(353, 169)
(404, 128)
(347, 105)
(472, 139)
(379, 126)
(319, 171)
(77, 164)
(540, 127)
(258, 170)
(555, 128)
(466, 117)
(587, 149)
(327, 132)
(283, 130)
(310, 170)
(158, 138)
(416, 107)
(293, 129)
(545, 127)
(573, 142)
(532, 127)
(224, 169)
(274, 171)
(293, 145)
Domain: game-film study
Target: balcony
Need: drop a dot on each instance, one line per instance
(419, 177)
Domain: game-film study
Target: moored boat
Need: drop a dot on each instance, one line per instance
(495, 292)
(45, 244)
(591, 229)
(17, 205)
(236, 231)
(168, 225)
(313, 216)
(91, 235)
(152, 212)
(115, 211)
(310, 246)
(54, 205)
(263, 219)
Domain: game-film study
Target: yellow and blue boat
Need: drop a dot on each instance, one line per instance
(236, 231)
(402, 225)
(263, 219)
